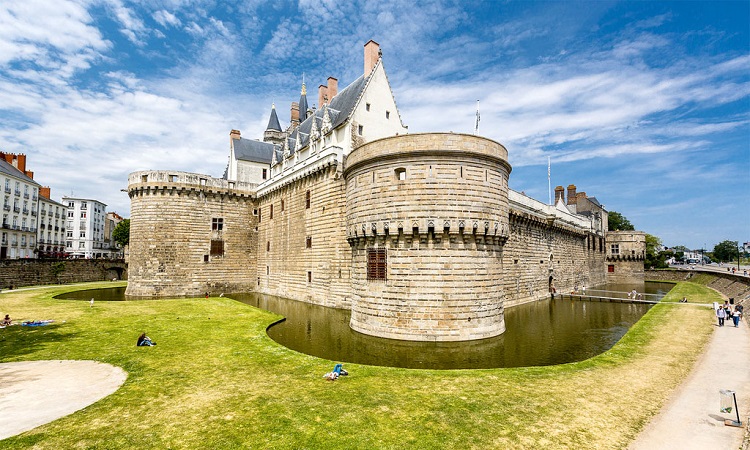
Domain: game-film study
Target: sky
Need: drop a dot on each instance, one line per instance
(644, 105)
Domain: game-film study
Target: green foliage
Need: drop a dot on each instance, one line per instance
(726, 251)
(121, 233)
(655, 259)
(618, 222)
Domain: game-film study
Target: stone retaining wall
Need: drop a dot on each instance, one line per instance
(31, 272)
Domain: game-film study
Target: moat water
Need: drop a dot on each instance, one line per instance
(540, 333)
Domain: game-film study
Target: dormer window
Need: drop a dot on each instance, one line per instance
(367, 106)
(360, 129)
(387, 114)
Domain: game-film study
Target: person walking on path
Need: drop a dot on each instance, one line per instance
(721, 313)
(736, 315)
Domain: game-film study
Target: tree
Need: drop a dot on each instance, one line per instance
(618, 222)
(726, 250)
(121, 233)
(654, 258)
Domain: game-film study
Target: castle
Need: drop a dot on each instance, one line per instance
(417, 234)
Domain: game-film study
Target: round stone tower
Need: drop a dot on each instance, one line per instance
(189, 234)
(427, 219)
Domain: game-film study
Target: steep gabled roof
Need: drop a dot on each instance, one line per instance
(253, 151)
(339, 110)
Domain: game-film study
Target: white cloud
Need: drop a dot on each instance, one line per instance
(166, 19)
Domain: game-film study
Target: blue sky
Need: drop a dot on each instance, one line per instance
(644, 105)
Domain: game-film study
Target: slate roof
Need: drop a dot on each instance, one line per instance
(339, 110)
(273, 121)
(8, 169)
(253, 151)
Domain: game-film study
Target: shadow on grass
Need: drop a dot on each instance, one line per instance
(17, 340)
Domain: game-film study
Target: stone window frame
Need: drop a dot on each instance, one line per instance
(611, 268)
(309, 276)
(400, 173)
(307, 199)
(217, 224)
(308, 242)
(270, 212)
(615, 249)
(282, 205)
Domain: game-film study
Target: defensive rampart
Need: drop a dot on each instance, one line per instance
(190, 234)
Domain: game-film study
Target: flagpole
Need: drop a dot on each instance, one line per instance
(476, 124)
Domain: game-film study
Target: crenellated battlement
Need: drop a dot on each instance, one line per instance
(152, 181)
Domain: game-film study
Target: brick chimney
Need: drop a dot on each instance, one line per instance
(559, 194)
(372, 54)
(571, 194)
(235, 134)
(581, 195)
(294, 114)
(333, 87)
(45, 192)
(322, 95)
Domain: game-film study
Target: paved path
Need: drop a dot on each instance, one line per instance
(691, 419)
(33, 393)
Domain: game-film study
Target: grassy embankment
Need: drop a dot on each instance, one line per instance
(215, 380)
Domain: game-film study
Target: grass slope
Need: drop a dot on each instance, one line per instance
(215, 380)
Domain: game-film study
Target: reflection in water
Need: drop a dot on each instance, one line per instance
(537, 334)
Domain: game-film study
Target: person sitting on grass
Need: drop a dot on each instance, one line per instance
(144, 341)
(6, 321)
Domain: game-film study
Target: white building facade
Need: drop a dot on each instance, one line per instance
(84, 228)
(19, 225)
(51, 229)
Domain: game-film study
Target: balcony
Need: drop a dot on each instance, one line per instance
(33, 213)
(16, 227)
(4, 243)
(42, 226)
(14, 244)
(44, 212)
(6, 207)
(24, 228)
(57, 228)
(6, 225)
(17, 209)
(57, 215)
(34, 197)
(32, 229)
(25, 195)
(18, 192)
(7, 189)
(26, 210)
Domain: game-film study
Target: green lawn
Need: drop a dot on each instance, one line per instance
(215, 380)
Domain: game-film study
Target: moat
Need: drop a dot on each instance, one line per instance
(541, 333)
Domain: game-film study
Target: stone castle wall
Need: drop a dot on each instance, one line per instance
(437, 203)
(626, 251)
(459, 245)
(171, 235)
(302, 251)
